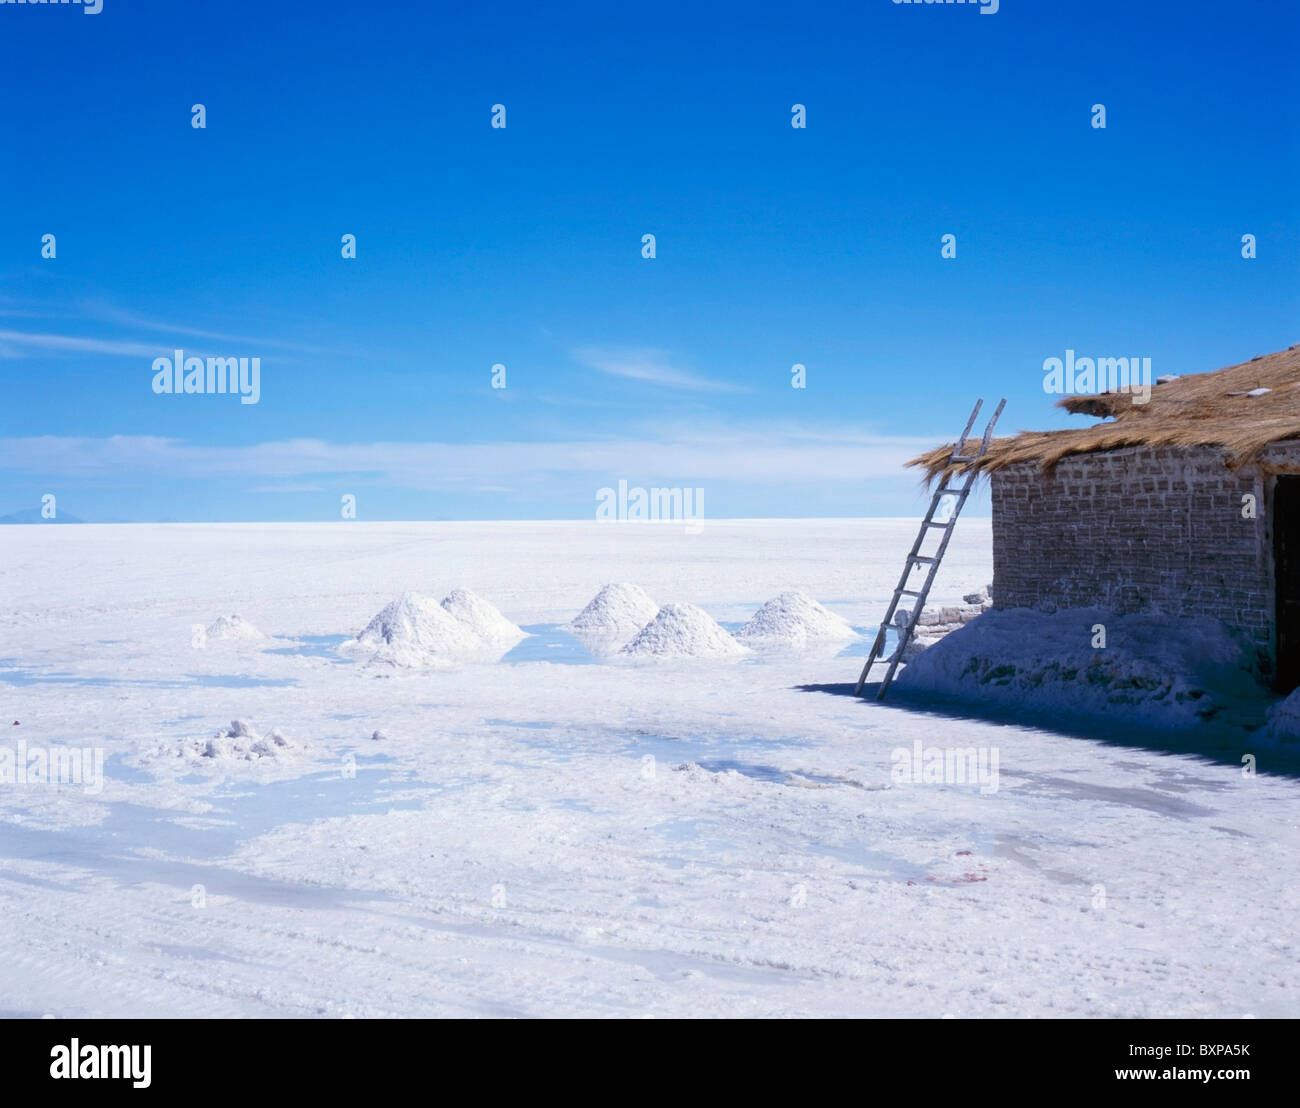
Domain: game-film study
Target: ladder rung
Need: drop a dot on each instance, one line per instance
(932, 523)
(908, 592)
(963, 458)
(927, 560)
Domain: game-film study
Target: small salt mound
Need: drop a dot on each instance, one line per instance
(794, 619)
(683, 631)
(617, 611)
(231, 628)
(414, 631)
(242, 744)
(481, 618)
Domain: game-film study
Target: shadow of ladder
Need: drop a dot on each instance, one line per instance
(946, 490)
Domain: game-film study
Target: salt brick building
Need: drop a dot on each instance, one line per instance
(1188, 505)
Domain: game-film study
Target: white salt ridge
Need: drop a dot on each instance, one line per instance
(240, 743)
(794, 620)
(683, 631)
(1157, 671)
(617, 611)
(412, 632)
(232, 628)
(481, 618)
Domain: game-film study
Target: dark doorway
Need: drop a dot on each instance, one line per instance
(1286, 580)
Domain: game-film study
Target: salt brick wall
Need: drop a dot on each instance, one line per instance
(1137, 530)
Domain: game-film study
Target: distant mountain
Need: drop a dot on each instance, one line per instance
(33, 515)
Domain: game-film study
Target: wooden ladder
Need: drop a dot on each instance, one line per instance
(946, 490)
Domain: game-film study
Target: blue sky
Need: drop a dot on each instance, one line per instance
(522, 246)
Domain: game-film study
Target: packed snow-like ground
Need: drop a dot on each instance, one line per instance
(287, 829)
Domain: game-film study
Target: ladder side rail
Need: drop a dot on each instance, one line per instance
(945, 489)
(904, 639)
(878, 647)
(914, 616)
(969, 424)
(988, 431)
(909, 565)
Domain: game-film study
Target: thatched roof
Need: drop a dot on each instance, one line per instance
(1204, 409)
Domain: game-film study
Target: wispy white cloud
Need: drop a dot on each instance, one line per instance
(651, 366)
(25, 344)
(771, 456)
(22, 343)
(105, 313)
